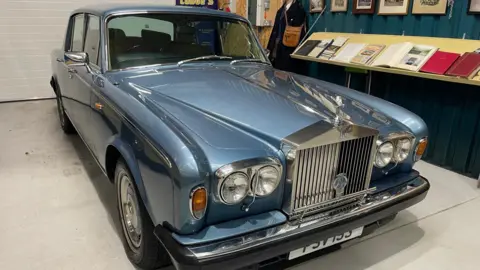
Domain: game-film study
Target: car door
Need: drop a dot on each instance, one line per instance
(87, 76)
(66, 76)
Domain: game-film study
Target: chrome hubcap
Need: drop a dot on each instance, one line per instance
(130, 212)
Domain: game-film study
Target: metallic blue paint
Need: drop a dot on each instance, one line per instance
(233, 228)
(175, 126)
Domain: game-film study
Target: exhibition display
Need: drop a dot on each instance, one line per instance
(397, 53)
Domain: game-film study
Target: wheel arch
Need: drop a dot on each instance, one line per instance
(118, 149)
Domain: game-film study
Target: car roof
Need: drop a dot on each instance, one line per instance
(109, 9)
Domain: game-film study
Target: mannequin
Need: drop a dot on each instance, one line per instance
(280, 54)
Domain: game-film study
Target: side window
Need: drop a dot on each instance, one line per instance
(77, 35)
(92, 39)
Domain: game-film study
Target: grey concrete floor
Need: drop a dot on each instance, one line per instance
(58, 212)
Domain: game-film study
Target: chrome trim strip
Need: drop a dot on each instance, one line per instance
(323, 133)
(360, 194)
(290, 229)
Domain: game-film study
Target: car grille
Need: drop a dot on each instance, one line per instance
(317, 167)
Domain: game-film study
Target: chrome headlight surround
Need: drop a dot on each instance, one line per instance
(384, 154)
(402, 147)
(265, 181)
(250, 168)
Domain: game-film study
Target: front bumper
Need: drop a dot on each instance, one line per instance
(258, 246)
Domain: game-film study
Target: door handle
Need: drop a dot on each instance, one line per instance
(59, 60)
(72, 70)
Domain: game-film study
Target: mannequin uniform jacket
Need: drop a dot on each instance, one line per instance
(280, 54)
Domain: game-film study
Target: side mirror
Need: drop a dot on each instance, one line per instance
(77, 59)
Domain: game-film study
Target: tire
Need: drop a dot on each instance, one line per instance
(142, 247)
(65, 122)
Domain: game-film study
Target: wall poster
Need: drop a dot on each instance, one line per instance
(393, 7)
(429, 6)
(363, 6)
(205, 31)
(474, 7)
(316, 6)
(339, 6)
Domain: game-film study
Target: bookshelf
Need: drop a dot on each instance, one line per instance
(444, 44)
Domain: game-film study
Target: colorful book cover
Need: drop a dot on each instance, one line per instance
(440, 62)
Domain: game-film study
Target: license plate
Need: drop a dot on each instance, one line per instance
(325, 243)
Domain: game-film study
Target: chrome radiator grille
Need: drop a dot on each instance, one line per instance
(316, 168)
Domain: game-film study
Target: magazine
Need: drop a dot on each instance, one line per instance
(347, 53)
(367, 54)
(320, 48)
(416, 57)
(331, 50)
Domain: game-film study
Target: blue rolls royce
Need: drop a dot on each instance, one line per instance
(219, 161)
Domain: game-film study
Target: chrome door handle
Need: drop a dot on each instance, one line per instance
(72, 70)
(59, 60)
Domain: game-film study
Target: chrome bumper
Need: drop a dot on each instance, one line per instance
(289, 236)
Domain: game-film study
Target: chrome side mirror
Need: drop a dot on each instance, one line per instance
(77, 59)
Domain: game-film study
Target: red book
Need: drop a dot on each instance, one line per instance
(465, 66)
(440, 62)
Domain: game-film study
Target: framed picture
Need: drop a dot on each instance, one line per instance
(429, 6)
(363, 6)
(393, 7)
(317, 6)
(474, 7)
(339, 6)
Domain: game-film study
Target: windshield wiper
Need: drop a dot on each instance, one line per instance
(206, 57)
(248, 60)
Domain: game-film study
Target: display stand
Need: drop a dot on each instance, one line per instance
(444, 44)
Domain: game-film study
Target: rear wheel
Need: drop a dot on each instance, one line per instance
(65, 122)
(142, 247)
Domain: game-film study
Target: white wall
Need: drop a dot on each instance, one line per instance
(29, 30)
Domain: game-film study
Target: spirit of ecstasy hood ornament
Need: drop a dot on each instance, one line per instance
(338, 112)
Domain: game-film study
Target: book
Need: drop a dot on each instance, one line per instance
(416, 57)
(321, 46)
(306, 47)
(476, 75)
(333, 48)
(367, 54)
(465, 66)
(347, 53)
(392, 55)
(440, 62)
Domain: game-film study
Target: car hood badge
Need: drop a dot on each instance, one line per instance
(339, 183)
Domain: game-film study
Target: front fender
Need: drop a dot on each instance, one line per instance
(127, 154)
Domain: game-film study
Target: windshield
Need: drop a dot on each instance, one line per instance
(147, 39)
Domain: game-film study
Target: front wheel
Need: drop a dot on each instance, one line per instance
(142, 247)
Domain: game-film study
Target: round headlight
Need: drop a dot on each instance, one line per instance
(384, 154)
(266, 181)
(234, 188)
(402, 149)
